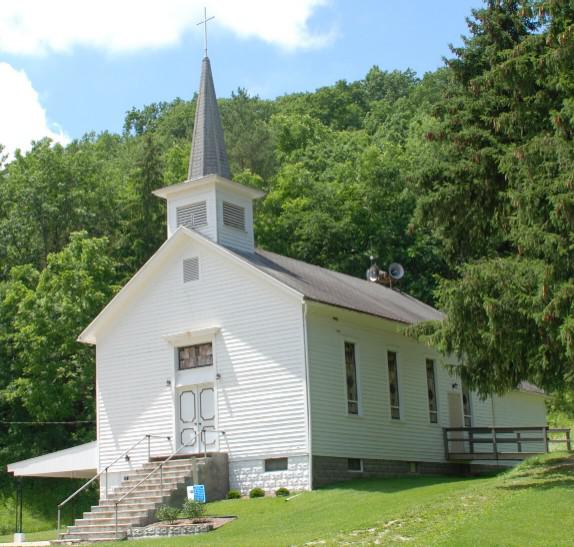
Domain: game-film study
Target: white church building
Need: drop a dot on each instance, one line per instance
(300, 375)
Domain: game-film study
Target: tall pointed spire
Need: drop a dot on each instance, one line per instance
(208, 154)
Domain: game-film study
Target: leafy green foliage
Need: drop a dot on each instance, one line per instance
(167, 513)
(256, 492)
(233, 494)
(464, 176)
(495, 176)
(282, 492)
(192, 509)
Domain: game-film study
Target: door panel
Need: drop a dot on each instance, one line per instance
(197, 410)
(455, 420)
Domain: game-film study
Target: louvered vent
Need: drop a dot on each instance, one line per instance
(192, 216)
(191, 269)
(233, 215)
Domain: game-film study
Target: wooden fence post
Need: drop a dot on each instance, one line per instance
(445, 439)
(545, 437)
(494, 448)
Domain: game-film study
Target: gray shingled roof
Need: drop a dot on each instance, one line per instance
(341, 290)
(208, 155)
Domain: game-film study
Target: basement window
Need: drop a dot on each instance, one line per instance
(276, 464)
(355, 465)
(200, 355)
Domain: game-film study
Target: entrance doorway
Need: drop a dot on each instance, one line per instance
(196, 419)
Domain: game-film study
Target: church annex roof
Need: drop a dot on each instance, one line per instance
(208, 154)
(345, 291)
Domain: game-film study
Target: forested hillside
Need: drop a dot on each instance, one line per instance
(464, 175)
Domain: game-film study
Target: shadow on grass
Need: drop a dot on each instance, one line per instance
(397, 483)
(548, 484)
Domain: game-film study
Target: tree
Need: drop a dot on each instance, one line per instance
(504, 208)
(48, 375)
(144, 215)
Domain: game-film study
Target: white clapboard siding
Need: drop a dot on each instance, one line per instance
(515, 409)
(372, 434)
(230, 236)
(259, 355)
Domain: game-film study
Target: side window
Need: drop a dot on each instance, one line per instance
(351, 373)
(466, 406)
(394, 385)
(431, 388)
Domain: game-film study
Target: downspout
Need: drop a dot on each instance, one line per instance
(307, 391)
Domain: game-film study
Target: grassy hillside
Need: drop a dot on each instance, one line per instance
(41, 498)
(529, 505)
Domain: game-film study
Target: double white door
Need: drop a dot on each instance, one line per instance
(196, 416)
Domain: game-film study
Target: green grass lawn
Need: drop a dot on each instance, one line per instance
(529, 505)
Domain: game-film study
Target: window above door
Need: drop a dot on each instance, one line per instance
(198, 355)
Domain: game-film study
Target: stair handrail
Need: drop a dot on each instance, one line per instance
(148, 436)
(160, 467)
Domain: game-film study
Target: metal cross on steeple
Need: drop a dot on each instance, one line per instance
(204, 23)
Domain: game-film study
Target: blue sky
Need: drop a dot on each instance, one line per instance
(84, 69)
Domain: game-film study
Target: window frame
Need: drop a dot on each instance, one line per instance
(464, 389)
(349, 340)
(276, 460)
(361, 465)
(431, 411)
(197, 345)
(399, 407)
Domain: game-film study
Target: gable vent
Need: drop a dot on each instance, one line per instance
(191, 269)
(234, 216)
(192, 216)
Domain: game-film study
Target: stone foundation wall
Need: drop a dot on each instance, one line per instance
(328, 470)
(247, 474)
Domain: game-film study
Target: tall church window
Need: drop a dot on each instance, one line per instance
(394, 385)
(466, 406)
(431, 388)
(351, 372)
(199, 355)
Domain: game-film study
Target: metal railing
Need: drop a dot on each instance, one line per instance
(104, 471)
(160, 468)
(466, 439)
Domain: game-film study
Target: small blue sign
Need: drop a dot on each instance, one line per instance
(199, 493)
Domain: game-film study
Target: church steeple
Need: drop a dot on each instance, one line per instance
(209, 202)
(208, 154)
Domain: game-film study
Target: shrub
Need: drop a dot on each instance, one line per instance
(167, 513)
(192, 509)
(256, 492)
(282, 492)
(233, 495)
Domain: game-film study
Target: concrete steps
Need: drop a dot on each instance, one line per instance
(136, 509)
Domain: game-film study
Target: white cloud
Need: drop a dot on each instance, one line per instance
(22, 117)
(39, 26)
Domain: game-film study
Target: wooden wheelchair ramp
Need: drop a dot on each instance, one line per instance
(501, 443)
